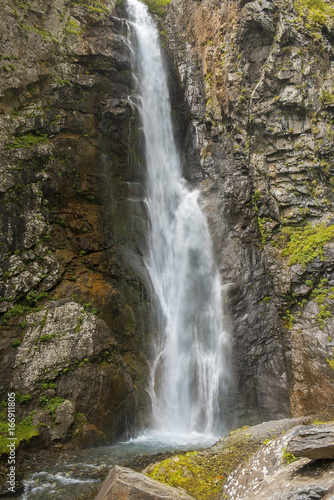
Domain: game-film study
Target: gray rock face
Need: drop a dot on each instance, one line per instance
(315, 442)
(127, 484)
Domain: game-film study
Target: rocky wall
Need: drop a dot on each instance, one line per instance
(75, 299)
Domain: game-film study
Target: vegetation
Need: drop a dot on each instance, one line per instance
(315, 12)
(202, 474)
(23, 432)
(288, 458)
(306, 243)
(158, 7)
(28, 140)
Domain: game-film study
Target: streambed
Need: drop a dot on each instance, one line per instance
(78, 475)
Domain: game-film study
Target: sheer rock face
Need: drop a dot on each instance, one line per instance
(315, 442)
(72, 218)
(258, 91)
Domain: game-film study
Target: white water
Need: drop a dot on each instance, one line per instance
(189, 374)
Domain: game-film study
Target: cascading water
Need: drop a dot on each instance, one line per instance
(189, 373)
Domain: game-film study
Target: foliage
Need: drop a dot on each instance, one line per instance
(28, 140)
(33, 297)
(331, 361)
(158, 7)
(23, 398)
(17, 310)
(53, 405)
(315, 12)
(288, 458)
(23, 432)
(306, 243)
(46, 337)
(288, 320)
(198, 480)
(16, 343)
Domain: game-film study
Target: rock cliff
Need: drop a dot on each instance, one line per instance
(74, 295)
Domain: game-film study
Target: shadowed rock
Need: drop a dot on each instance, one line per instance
(130, 485)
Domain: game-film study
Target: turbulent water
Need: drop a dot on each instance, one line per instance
(189, 372)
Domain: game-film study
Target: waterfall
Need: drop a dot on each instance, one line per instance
(189, 374)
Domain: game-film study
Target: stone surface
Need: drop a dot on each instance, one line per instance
(315, 442)
(127, 484)
(64, 418)
(268, 474)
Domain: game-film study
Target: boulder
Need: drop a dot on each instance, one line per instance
(127, 484)
(64, 418)
(315, 442)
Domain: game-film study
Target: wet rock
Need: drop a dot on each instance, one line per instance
(127, 484)
(315, 442)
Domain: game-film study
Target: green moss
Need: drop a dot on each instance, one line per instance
(331, 361)
(28, 140)
(17, 310)
(53, 405)
(306, 243)
(23, 398)
(202, 474)
(46, 337)
(316, 13)
(288, 320)
(158, 7)
(288, 458)
(23, 432)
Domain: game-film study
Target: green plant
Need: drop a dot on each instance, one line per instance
(306, 243)
(23, 432)
(47, 337)
(23, 398)
(315, 12)
(33, 297)
(48, 385)
(288, 320)
(17, 310)
(43, 400)
(158, 7)
(288, 458)
(16, 343)
(53, 405)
